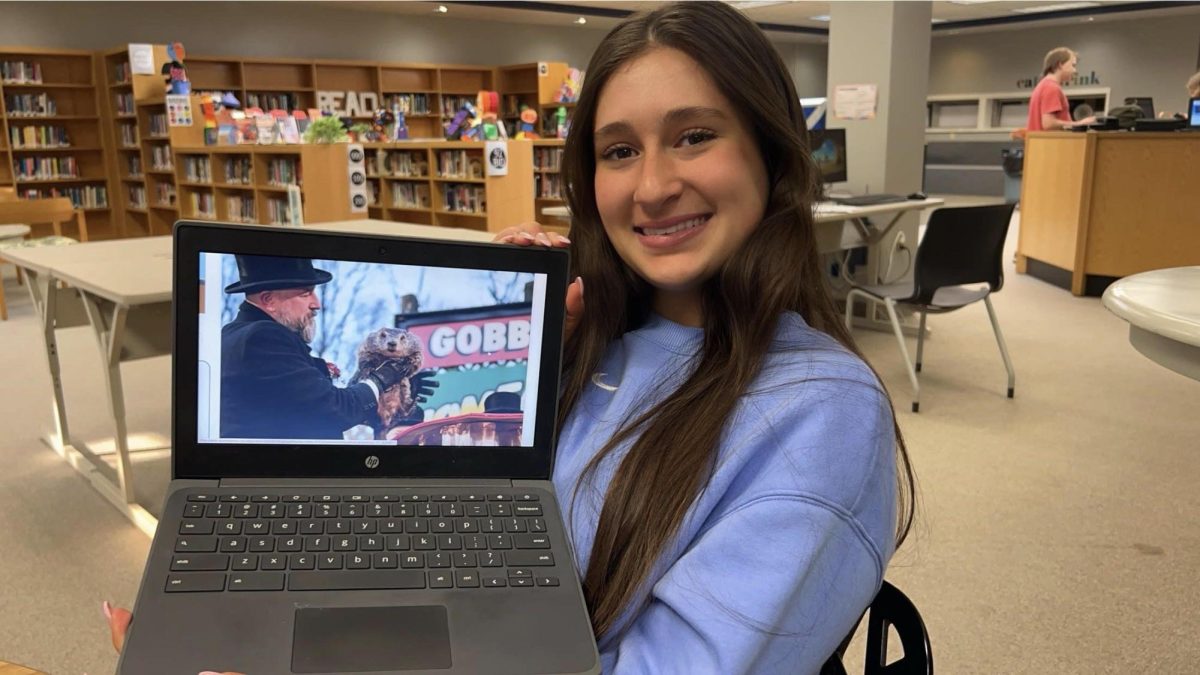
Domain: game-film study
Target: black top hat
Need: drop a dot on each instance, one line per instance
(269, 273)
(502, 402)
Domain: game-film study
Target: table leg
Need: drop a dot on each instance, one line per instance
(109, 330)
(43, 290)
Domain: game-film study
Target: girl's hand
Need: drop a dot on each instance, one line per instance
(119, 619)
(530, 234)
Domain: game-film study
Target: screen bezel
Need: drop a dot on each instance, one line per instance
(193, 460)
(1192, 103)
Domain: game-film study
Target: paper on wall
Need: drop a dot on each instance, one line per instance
(855, 101)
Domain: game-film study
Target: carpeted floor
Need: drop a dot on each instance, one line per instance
(1057, 531)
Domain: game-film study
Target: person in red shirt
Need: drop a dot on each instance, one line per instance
(1048, 107)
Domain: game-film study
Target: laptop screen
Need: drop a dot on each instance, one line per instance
(1194, 113)
(328, 352)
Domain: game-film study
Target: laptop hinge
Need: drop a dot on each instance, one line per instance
(317, 483)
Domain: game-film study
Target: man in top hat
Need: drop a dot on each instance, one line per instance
(271, 385)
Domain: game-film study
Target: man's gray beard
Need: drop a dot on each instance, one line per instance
(305, 328)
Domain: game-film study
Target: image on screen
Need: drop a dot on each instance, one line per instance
(330, 352)
(829, 154)
(1194, 113)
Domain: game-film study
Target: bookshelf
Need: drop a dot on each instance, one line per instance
(52, 142)
(547, 178)
(444, 183)
(535, 85)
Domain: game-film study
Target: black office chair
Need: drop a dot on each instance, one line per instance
(961, 247)
(890, 608)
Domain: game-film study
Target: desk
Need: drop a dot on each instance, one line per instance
(122, 289)
(1163, 311)
(13, 669)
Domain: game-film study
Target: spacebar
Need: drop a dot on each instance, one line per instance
(355, 580)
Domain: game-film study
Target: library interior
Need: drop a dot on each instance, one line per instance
(992, 222)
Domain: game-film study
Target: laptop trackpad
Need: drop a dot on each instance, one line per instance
(366, 639)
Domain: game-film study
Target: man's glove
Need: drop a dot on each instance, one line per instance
(387, 375)
(423, 385)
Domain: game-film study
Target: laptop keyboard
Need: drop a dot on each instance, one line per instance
(334, 542)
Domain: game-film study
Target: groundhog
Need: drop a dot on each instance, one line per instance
(379, 347)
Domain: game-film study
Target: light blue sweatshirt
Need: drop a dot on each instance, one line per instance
(779, 556)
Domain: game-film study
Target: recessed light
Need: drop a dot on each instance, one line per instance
(1090, 18)
(820, 17)
(441, 9)
(1059, 7)
(938, 20)
(581, 20)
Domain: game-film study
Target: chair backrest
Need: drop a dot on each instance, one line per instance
(962, 245)
(54, 211)
(890, 608)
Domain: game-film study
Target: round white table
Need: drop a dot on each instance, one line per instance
(1163, 311)
(15, 231)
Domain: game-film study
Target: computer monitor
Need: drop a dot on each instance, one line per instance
(1144, 102)
(1194, 113)
(828, 147)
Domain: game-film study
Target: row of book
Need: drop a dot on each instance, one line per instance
(46, 168)
(452, 104)
(129, 135)
(409, 104)
(548, 159)
(464, 198)
(238, 170)
(288, 102)
(283, 171)
(459, 164)
(20, 72)
(137, 196)
(203, 204)
(160, 158)
(164, 194)
(123, 103)
(38, 137)
(122, 73)
(82, 196)
(405, 164)
(239, 209)
(409, 195)
(548, 186)
(278, 212)
(197, 169)
(30, 105)
(134, 164)
(158, 124)
(373, 191)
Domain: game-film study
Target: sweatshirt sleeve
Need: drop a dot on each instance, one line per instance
(773, 587)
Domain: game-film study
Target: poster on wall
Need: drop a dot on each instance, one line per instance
(497, 158)
(855, 101)
(179, 110)
(141, 59)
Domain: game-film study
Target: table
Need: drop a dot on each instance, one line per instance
(13, 669)
(122, 289)
(1163, 311)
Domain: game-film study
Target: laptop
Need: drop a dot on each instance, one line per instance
(425, 536)
(1194, 114)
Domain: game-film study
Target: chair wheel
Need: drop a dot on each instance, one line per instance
(916, 407)
(1010, 392)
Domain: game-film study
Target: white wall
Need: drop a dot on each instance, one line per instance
(1135, 57)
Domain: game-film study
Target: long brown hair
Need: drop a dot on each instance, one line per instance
(776, 270)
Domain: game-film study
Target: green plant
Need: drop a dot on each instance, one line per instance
(361, 130)
(326, 130)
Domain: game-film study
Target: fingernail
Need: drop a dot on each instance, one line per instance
(526, 235)
(580, 280)
(210, 672)
(106, 609)
(564, 239)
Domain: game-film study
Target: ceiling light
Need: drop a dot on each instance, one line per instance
(1059, 7)
(441, 9)
(938, 20)
(1090, 18)
(820, 17)
(581, 20)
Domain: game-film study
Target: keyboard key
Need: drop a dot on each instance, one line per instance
(313, 527)
(403, 511)
(289, 544)
(325, 511)
(273, 562)
(466, 559)
(466, 525)
(357, 499)
(527, 497)
(316, 543)
(273, 511)
(490, 559)
(370, 543)
(475, 542)
(500, 510)
(439, 559)
(495, 582)
(466, 579)
(193, 511)
(358, 561)
(301, 561)
(200, 562)
(412, 560)
(415, 525)
(390, 526)
(283, 527)
(424, 543)
(230, 527)
(326, 499)
(547, 581)
(527, 510)
(531, 541)
(519, 583)
(452, 510)
(386, 498)
(351, 511)
(378, 511)
(263, 499)
(196, 582)
(537, 525)
(256, 527)
(444, 498)
(234, 498)
(412, 497)
(441, 526)
(246, 511)
(336, 526)
(244, 562)
(330, 561)
(218, 510)
(472, 497)
(356, 580)
(233, 545)
(499, 497)
(203, 497)
(295, 499)
(399, 542)
(477, 510)
(345, 544)
(384, 561)
(426, 510)
(514, 525)
(441, 580)
(195, 544)
(520, 573)
(499, 542)
(529, 558)
(261, 544)
(364, 527)
(299, 511)
(256, 581)
(449, 542)
(196, 526)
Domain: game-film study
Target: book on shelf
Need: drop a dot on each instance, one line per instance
(203, 205)
(239, 209)
(406, 164)
(33, 136)
(238, 170)
(82, 196)
(289, 130)
(164, 194)
(283, 171)
(137, 196)
(123, 102)
(129, 135)
(20, 72)
(161, 158)
(409, 195)
(264, 129)
(30, 105)
(158, 125)
(470, 199)
(122, 74)
(459, 164)
(197, 169)
(46, 168)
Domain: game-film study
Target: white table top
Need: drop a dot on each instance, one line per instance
(826, 212)
(138, 271)
(1165, 302)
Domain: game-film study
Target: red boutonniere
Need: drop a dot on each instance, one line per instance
(334, 372)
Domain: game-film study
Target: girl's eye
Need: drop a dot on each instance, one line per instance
(617, 152)
(696, 137)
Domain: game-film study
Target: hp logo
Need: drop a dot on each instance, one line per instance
(372, 462)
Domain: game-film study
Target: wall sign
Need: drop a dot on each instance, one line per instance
(496, 155)
(348, 103)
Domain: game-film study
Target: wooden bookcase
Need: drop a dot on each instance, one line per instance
(535, 85)
(547, 178)
(228, 193)
(415, 183)
(61, 97)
